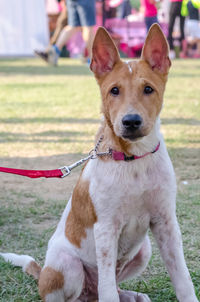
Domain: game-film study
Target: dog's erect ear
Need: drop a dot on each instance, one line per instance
(156, 50)
(104, 53)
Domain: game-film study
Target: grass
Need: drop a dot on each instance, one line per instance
(48, 118)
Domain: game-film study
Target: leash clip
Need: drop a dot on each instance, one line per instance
(65, 170)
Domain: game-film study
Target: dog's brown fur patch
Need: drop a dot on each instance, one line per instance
(50, 280)
(34, 270)
(82, 214)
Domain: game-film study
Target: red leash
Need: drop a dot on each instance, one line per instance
(65, 170)
(59, 173)
(33, 173)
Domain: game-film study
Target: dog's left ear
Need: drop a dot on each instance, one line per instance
(156, 50)
(104, 53)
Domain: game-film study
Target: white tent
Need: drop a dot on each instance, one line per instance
(23, 27)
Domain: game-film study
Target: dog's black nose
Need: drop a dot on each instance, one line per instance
(132, 121)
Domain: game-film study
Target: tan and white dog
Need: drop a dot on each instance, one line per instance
(101, 239)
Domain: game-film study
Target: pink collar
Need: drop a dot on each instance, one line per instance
(116, 155)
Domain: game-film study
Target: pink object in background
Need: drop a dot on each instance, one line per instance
(114, 3)
(76, 45)
(150, 10)
(52, 7)
(132, 36)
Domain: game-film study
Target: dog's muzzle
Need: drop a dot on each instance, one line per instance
(132, 124)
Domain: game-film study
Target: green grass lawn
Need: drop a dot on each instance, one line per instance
(48, 118)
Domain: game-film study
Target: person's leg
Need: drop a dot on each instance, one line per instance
(195, 43)
(55, 50)
(186, 42)
(150, 21)
(193, 37)
(197, 35)
(198, 46)
(88, 36)
(60, 24)
(72, 27)
(87, 15)
(66, 33)
(182, 24)
(172, 17)
(184, 50)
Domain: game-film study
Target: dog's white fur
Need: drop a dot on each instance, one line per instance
(128, 198)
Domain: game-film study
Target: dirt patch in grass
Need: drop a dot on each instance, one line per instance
(46, 189)
(36, 203)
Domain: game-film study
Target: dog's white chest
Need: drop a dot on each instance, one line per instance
(117, 192)
(133, 233)
(117, 186)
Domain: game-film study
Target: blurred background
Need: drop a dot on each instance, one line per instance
(26, 25)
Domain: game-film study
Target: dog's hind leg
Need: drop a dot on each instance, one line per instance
(136, 265)
(62, 278)
(133, 268)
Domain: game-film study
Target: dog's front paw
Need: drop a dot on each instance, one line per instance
(110, 297)
(191, 299)
(130, 296)
(187, 298)
(143, 298)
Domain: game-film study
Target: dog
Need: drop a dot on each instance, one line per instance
(102, 237)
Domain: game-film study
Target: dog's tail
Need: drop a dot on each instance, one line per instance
(27, 263)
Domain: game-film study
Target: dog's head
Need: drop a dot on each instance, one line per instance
(132, 92)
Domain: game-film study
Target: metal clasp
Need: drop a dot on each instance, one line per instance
(65, 170)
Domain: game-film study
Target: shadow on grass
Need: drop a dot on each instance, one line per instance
(51, 120)
(184, 75)
(194, 64)
(63, 136)
(72, 70)
(164, 121)
(182, 140)
(44, 137)
(181, 121)
(186, 163)
(184, 153)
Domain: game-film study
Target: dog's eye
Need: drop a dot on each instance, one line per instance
(115, 91)
(148, 90)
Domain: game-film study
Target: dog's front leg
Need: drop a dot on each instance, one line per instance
(106, 240)
(168, 236)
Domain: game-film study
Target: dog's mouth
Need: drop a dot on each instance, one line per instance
(133, 136)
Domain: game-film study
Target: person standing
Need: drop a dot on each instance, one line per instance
(174, 12)
(149, 10)
(62, 21)
(191, 8)
(124, 9)
(81, 16)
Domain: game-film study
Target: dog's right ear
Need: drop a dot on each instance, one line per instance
(156, 50)
(104, 53)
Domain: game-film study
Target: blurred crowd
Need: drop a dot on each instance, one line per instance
(178, 18)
